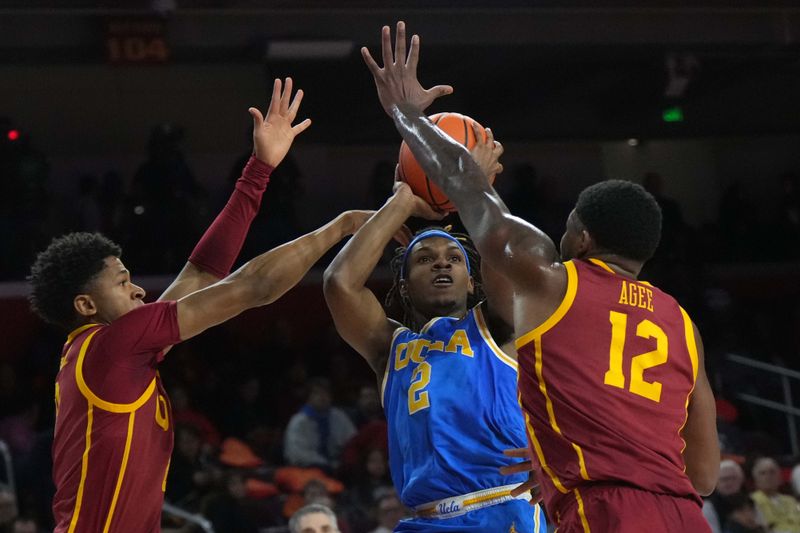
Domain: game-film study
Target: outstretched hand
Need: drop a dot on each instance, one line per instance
(273, 135)
(487, 152)
(532, 485)
(397, 80)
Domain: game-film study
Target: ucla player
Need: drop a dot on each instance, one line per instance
(449, 390)
(617, 403)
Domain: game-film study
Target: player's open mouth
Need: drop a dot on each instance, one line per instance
(442, 280)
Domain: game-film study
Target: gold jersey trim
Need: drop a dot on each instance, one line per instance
(489, 340)
(96, 400)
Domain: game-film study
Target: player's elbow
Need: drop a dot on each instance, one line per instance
(335, 282)
(704, 477)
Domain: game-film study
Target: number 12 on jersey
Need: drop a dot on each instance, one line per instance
(615, 377)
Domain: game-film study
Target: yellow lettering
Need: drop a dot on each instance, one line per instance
(633, 295)
(401, 356)
(649, 300)
(459, 340)
(437, 346)
(416, 347)
(642, 293)
(58, 398)
(623, 296)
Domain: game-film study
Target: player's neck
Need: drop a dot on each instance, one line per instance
(621, 265)
(453, 311)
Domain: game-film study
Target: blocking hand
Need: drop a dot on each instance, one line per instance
(397, 81)
(273, 135)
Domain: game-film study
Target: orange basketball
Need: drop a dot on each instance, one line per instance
(457, 126)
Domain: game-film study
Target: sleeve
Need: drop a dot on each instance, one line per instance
(219, 247)
(139, 337)
(121, 360)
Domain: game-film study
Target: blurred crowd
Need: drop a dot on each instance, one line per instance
(269, 422)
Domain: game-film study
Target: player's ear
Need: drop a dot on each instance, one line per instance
(585, 243)
(402, 286)
(84, 305)
(471, 285)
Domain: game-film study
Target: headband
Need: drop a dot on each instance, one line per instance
(427, 235)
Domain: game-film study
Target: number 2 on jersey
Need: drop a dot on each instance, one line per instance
(417, 397)
(615, 376)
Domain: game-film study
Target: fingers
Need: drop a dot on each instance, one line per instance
(386, 46)
(286, 96)
(297, 129)
(258, 118)
(413, 55)
(489, 135)
(295, 105)
(517, 452)
(525, 466)
(371, 64)
(523, 488)
(481, 134)
(400, 43)
(439, 90)
(275, 101)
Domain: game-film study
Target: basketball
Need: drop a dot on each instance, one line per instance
(457, 126)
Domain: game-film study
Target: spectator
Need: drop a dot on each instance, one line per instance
(742, 517)
(316, 434)
(370, 481)
(314, 518)
(24, 525)
(781, 512)
(187, 477)
(717, 507)
(390, 511)
(368, 407)
(227, 510)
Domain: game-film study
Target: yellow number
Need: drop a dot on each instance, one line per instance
(418, 398)
(162, 413)
(614, 375)
(640, 363)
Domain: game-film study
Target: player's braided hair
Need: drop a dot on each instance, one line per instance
(65, 269)
(622, 217)
(395, 296)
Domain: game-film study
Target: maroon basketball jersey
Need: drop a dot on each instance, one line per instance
(113, 435)
(604, 384)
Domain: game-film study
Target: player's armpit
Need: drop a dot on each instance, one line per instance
(702, 454)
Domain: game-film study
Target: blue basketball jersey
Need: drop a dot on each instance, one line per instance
(450, 397)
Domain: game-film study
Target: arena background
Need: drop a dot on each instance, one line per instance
(697, 98)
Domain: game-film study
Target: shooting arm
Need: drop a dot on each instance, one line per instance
(357, 313)
(262, 280)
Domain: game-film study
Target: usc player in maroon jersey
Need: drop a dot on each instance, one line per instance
(114, 431)
(619, 411)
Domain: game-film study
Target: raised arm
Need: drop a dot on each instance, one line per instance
(215, 253)
(701, 454)
(359, 317)
(521, 251)
(264, 279)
